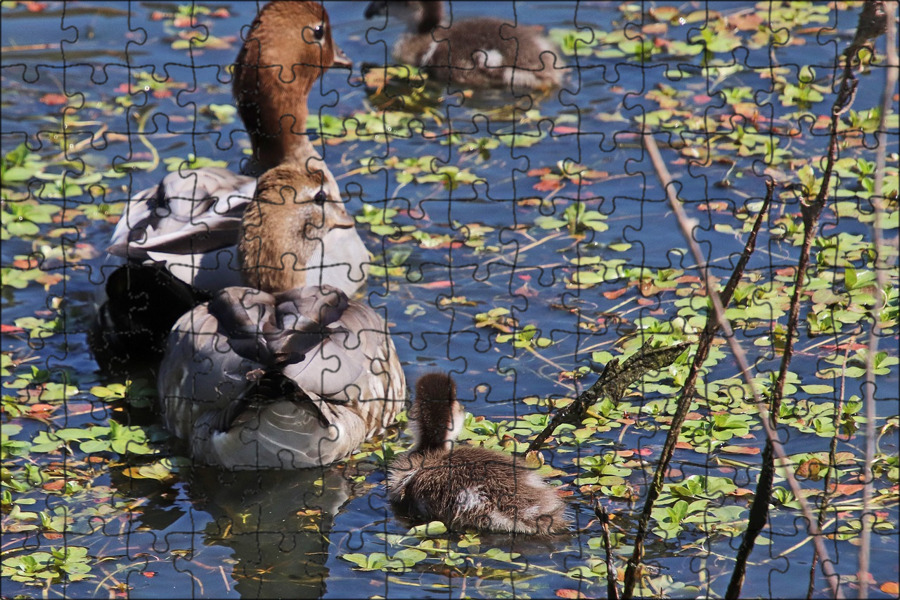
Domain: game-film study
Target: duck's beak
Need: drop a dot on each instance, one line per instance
(344, 221)
(341, 60)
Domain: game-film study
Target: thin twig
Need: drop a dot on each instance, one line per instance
(612, 591)
(887, 94)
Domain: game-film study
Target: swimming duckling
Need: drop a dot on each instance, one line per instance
(464, 486)
(480, 52)
(280, 375)
(179, 238)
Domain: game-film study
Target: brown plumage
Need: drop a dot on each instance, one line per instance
(288, 46)
(480, 52)
(294, 209)
(464, 486)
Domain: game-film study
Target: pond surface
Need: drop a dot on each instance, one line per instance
(483, 267)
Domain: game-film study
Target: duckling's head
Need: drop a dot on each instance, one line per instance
(436, 416)
(293, 209)
(287, 47)
(420, 17)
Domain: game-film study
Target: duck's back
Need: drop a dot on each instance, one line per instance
(188, 223)
(346, 383)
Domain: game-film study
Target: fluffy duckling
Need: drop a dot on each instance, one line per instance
(464, 486)
(280, 375)
(481, 52)
(179, 238)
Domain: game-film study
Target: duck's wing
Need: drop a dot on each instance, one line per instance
(332, 350)
(357, 366)
(341, 260)
(276, 330)
(189, 212)
(217, 350)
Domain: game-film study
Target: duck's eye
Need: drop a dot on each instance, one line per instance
(320, 198)
(319, 32)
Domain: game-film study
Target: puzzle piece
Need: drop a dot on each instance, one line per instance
(478, 189)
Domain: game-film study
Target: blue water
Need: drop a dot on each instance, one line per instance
(213, 534)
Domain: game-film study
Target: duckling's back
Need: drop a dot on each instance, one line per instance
(485, 52)
(476, 488)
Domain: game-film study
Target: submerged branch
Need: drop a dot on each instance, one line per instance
(612, 383)
(612, 591)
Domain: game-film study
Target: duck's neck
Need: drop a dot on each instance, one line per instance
(271, 87)
(436, 417)
(273, 108)
(279, 237)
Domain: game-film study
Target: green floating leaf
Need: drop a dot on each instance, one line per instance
(434, 528)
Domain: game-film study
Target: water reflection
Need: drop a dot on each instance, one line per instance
(276, 524)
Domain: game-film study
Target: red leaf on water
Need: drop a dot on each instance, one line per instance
(184, 21)
(612, 295)
(437, 285)
(848, 489)
(54, 99)
(547, 185)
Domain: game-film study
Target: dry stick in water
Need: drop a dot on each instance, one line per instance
(892, 65)
(687, 227)
(867, 28)
(825, 504)
(687, 392)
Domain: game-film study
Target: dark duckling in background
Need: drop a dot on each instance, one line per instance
(464, 486)
(480, 52)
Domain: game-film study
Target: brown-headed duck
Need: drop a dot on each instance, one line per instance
(178, 239)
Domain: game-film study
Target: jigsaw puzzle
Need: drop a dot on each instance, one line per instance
(450, 299)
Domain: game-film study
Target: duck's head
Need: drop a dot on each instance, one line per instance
(294, 208)
(436, 416)
(287, 47)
